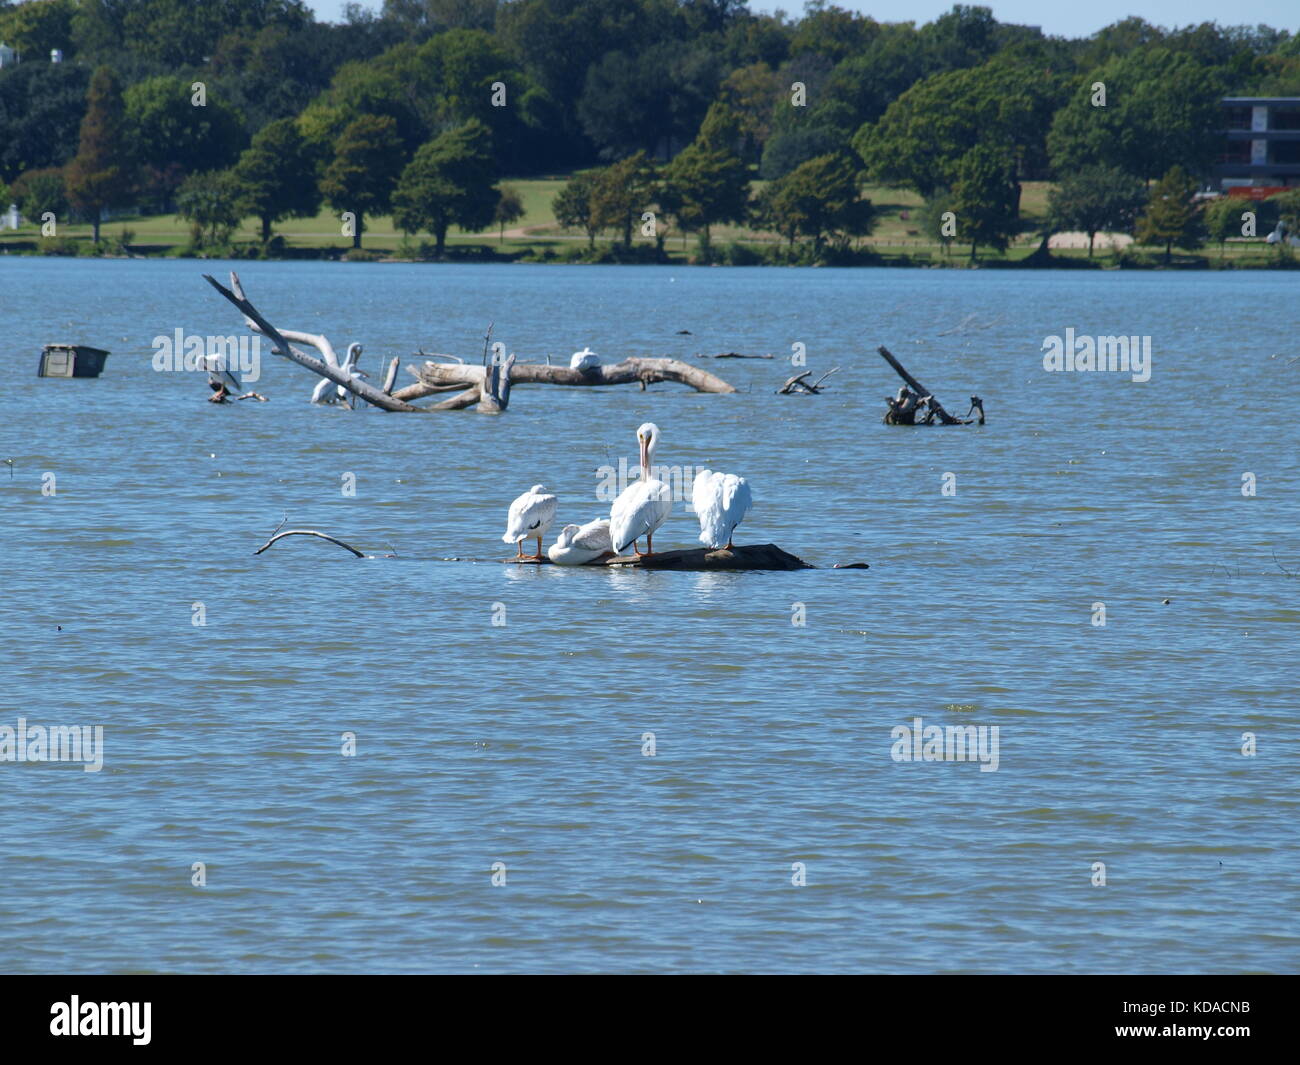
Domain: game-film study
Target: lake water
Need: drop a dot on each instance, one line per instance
(523, 743)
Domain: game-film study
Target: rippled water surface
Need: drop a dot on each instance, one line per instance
(522, 743)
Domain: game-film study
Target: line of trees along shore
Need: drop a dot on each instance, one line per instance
(670, 115)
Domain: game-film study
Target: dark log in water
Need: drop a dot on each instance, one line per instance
(754, 556)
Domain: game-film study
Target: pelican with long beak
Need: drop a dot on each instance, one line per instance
(643, 505)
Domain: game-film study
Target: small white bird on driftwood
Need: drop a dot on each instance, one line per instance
(579, 544)
(585, 359)
(643, 505)
(530, 517)
(721, 501)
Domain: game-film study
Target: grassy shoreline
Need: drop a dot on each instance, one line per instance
(538, 238)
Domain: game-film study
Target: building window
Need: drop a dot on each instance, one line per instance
(1284, 118)
(1286, 152)
(1238, 117)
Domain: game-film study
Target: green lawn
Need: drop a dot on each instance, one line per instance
(897, 233)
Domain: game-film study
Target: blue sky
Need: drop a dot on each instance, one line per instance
(1057, 17)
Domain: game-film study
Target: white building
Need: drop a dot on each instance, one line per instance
(8, 57)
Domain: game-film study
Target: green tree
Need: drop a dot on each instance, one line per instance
(35, 29)
(721, 129)
(100, 175)
(1171, 216)
(1223, 220)
(164, 125)
(172, 33)
(363, 173)
(509, 209)
(1161, 109)
(924, 134)
(38, 191)
(41, 108)
(984, 199)
(1287, 206)
(650, 100)
(574, 206)
(933, 222)
(704, 186)
(1096, 198)
(210, 202)
(818, 199)
(449, 182)
(622, 193)
(276, 176)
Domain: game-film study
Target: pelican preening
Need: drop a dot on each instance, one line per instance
(220, 378)
(721, 501)
(579, 544)
(327, 391)
(529, 518)
(585, 359)
(643, 505)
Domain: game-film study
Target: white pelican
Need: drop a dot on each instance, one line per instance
(221, 376)
(530, 516)
(579, 544)
(585, 359)
(643, 505)
(327, 391)
(721, 501)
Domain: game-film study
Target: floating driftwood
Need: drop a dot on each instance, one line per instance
(936, 408)
(732, 355)
(308, 532)
(434, 377)
(487, 386)
(326, 366)
(750, 557)
(799, 383)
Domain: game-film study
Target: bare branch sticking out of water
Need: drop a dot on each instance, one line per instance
(307, 532)
(1279, 565)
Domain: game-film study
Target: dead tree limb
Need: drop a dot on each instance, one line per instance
(307, 532)
(495, 393)
(390, 378)
(436, 377)
(917, 387)
(457, 402)
(798, 383)
(355, 385)
(316, 340)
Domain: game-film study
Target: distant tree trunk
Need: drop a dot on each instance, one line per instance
(1092, 233)
(973, 246)
(266, 228)
(356, 233)
(1169, 246)
(440, 236)
(95, 223)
